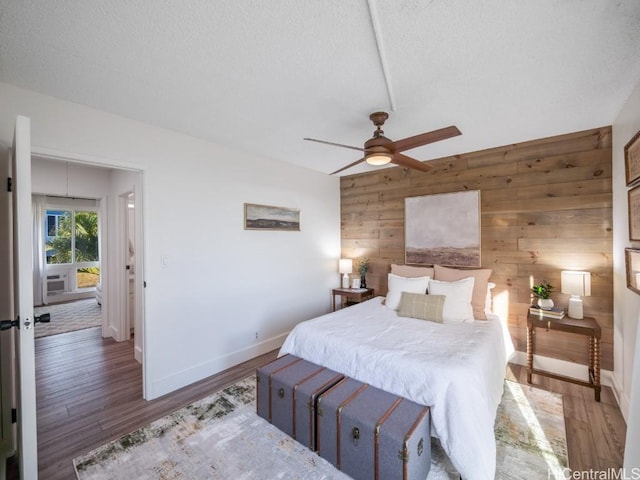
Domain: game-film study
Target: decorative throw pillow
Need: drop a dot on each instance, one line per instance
(411, 272)
(457, 305)
(398, 284)
(481, 277)
(424, 307)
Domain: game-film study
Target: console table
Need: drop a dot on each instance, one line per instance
(587, 327)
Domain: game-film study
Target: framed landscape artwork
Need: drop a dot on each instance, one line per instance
(632, 160)
(632, 260)
(634, 213)
(443, 229)
(265, 217)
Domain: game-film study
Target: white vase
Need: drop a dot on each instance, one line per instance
(545, 303)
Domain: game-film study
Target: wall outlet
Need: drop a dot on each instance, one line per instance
(256, 335)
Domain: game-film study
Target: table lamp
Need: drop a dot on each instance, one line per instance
(576, 284)
(345, 267)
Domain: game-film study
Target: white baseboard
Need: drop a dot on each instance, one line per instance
(621, 397)
(562, 367)
(113, 333)
(137, 354)
(188, 376)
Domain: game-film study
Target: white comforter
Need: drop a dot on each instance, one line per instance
(456, 369)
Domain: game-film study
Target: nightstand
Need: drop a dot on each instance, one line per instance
(587, 327)
(355, 295)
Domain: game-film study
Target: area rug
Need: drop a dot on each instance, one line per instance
(221, 437)
(69, 317)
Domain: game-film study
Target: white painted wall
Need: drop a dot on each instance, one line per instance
(626, 303)
(222, 284)
(66, 179)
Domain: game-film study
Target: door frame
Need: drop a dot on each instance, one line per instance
(114, 325)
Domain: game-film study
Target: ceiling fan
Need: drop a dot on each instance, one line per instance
(380, 150)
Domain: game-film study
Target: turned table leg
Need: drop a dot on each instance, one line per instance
(530, 347)
(596, 367)
(592, 374)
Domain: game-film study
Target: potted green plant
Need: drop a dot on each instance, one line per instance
(542, 292)
(363, 268)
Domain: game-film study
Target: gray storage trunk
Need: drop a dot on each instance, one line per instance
(263, 383)
(329, 407)
(305, 398)
(378, 435)
(287, 391)
(284, 385)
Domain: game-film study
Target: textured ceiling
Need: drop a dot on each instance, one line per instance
(260, 75)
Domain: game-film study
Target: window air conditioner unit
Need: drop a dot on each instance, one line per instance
(57, 284)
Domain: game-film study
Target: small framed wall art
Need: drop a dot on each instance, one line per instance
(632, 260)
(632, 160)
(265, 217)
(634, 213)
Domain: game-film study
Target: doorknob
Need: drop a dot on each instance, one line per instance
(44, 318)
(7, 324)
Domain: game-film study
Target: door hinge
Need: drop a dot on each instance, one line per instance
(14, 415)
(9, 184)
(144, 284)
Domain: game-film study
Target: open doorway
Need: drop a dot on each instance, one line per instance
(66, 263)
(131, 280)
(78, 194)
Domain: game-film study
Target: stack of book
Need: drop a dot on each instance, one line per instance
(554, 312)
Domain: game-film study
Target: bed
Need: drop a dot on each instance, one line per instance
(457, 369)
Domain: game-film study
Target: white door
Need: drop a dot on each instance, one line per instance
(27, 447)
(7, 337)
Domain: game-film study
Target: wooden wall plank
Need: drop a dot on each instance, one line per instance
(546, 206)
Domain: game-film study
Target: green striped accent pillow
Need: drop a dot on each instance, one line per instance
(424, 307)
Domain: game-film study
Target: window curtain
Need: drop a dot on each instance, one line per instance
(39, 206)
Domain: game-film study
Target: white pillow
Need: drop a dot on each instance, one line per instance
(457, 305)
(398, 284)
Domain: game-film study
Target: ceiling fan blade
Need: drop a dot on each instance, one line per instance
(334, 144)
(424, 139)
(408, 162)
(348, 166)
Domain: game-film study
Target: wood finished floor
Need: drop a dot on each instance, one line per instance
(596, 431)
(89, 391)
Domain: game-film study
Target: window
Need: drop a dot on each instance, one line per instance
(58, 244)
(52, 225)
(87, 277)
(86, 248)
(86, 237)
(72, 239)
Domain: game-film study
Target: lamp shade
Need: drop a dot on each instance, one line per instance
(576, 283)
(345, 265)
(378, 158)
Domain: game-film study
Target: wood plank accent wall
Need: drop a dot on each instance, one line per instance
(546, 206)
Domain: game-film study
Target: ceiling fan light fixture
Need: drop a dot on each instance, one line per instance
(378, 158)
(380, 150)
